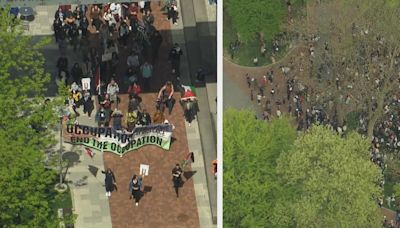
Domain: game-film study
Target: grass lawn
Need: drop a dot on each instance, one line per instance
(247, 51)
(245, 54)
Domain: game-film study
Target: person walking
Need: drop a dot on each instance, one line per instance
(156, 41)
(109, 181)
(135, 186)
(113, 90)
(88, 105)
(177, 178)
(165, 97)
(147, 73)
(175, 57)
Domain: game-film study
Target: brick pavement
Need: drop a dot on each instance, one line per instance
(155, 210)
(159, 207)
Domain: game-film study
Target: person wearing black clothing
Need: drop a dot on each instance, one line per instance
(190, 109)
(175, 58)
(176, 178)
(62, 65)
(83, 25)
(172, 11)
(87, 103)
(147, 7)
(102, 117)
(57, 26)
(76, 73)
(109, 181)
(145, 118)
(155, 40)
(73, 34)
(134, 188)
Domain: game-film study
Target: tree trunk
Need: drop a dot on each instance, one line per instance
(339, 111)
(374, 116)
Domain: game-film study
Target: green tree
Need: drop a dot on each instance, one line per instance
(336, 184)
(25, 123)
(254, 18)
(251, 148)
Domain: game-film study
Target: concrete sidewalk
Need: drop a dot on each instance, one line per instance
(201, 134)
(88, 193)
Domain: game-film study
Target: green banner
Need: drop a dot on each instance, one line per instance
(107, 139)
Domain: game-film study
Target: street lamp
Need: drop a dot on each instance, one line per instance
(61, 187)
(60, 152)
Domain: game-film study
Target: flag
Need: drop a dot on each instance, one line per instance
(89, 152)
(189, 91)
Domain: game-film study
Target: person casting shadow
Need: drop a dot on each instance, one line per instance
(109, 181)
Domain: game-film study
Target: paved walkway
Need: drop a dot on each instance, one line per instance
(201, 134)
(235, 81)
(89, 200)
(159, 207)
(43, 22)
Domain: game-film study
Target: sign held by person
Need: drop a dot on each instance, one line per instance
(144, 169)
(86, 83)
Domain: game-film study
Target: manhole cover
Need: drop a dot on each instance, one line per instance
(70, 157)
(182, 217)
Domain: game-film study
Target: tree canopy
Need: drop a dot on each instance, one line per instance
(251, 148)
(273, 179)
(336, 184)
(252, 17)
(357, 48)
(25, 120)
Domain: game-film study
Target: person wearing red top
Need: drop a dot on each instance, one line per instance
(134, 88)
(189, 105)
(188, 94)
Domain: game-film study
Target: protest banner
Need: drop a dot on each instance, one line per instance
(108, 139)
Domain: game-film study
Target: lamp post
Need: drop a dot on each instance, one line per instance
(61, 187)
(60, 152)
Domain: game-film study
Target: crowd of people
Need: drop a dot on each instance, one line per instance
(282, 89)
(101, 33)
(135, 185)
